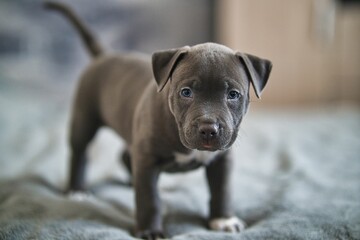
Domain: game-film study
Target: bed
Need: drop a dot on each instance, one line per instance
(296, 176)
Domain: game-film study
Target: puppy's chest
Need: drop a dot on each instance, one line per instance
(185, 162)
(203, 157)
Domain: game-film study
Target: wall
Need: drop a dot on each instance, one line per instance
(313, 44)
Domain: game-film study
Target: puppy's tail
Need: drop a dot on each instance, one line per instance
(89, 40)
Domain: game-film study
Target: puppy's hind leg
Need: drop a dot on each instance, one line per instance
(82, 130)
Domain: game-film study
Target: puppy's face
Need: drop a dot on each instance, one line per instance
(208, 94)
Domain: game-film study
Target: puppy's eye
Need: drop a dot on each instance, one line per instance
(233, 95)
(186, 92)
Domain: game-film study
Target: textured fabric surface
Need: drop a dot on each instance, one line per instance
(296, 176)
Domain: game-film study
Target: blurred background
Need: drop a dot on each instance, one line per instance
(313, 44)
(298, 150)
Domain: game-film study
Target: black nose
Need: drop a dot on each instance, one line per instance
(209, 130)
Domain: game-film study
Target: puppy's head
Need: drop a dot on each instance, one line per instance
(208, 91)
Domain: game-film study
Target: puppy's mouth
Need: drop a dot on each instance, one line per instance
(204, 146)
(207, 145)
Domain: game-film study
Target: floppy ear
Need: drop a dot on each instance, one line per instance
(258, 70)
(163, 64)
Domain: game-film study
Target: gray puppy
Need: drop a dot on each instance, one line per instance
(178, 112)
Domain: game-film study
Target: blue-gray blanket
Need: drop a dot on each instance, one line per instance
(297, 176)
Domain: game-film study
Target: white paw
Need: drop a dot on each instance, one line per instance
(232, 224)
(80, 196)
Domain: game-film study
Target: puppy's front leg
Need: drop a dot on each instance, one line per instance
(148, 209)
(221, 215)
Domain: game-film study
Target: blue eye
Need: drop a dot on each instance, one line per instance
(233, 95)
(186, 92)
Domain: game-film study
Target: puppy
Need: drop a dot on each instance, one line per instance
(177, 111)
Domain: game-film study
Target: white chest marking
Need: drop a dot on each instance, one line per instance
(200, 156)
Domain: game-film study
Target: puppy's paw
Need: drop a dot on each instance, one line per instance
(79, 196)
(232, 224)
(150, 235)
(82, 196)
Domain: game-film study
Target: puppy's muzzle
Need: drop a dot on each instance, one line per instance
(209, 134)
(209, 131)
